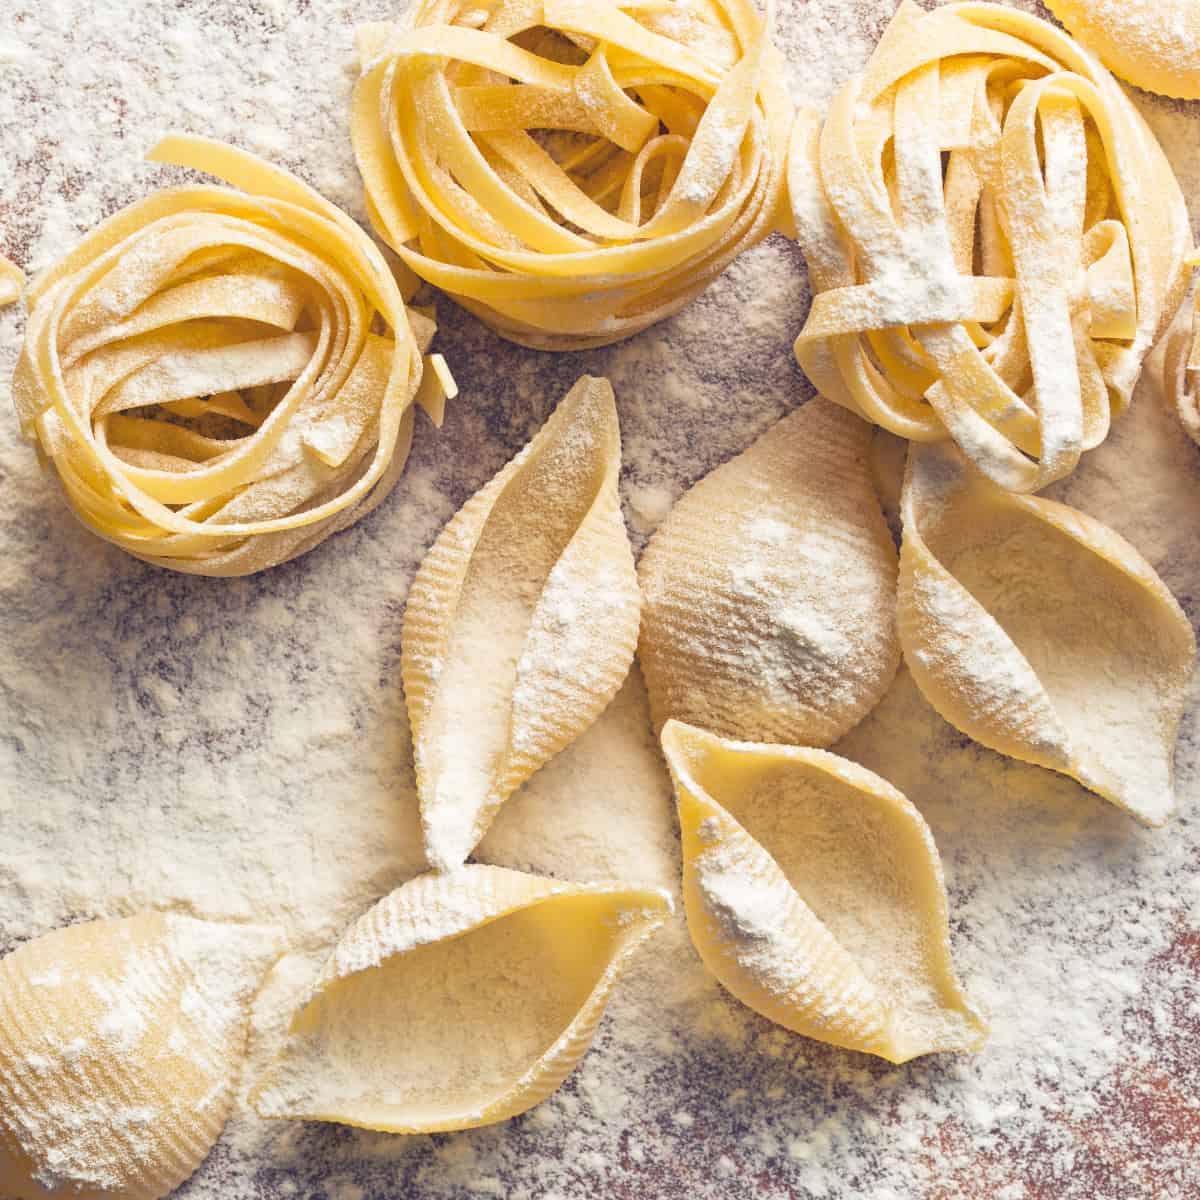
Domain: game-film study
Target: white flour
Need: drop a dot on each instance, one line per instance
(239, 748)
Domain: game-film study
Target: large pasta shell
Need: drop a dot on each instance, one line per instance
(814, 893)
(459, 1000)
(521, 623)
(770, 589)
(1041, 633)
(120, 1047)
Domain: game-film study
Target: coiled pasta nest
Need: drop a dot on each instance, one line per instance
(221, 379)
(571, 171)
(994, 237)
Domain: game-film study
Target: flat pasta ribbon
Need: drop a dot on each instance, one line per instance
(459, 1000)
(994, 238)
(571, 171)
(814, 893)
(1042, 634)
(221, 379)
(12, 282)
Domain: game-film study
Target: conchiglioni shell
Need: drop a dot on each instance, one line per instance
(460, 1000)
(521, 623)
(1042, 634)
(814, 893)
(120, 1047)
(770, 590)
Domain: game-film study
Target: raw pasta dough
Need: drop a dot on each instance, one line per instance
(1154, 44)
(571, 171)
(459, 1000)
(1181, 370)
(770, 590)
(120, 1046)
(223, 379)
(12, 281)
(814, 893)
(1042, 634)
(1008, 298)
(521, 623)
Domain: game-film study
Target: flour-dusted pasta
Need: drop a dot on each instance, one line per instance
(12, 282)
(460, 1000)
(1041, 633)
(1181, 370)
(994, 237)
(1154, 44)
(222, 379)
(521, 623)
(120, 1047)
(572, 171)
(814, 893)
(769, 592)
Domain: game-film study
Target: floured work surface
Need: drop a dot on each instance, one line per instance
(238, 748)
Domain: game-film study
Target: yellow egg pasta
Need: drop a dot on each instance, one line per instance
(1181, 370)
(521, 623)
(994, 238)
(769, 592)
(12, 282)
(571, 171)
(121, 1042)
(1154, 44)
(221, 379)
(814, 893)
(1042, 634)
(459, 1000)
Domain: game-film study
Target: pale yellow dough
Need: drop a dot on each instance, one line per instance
(1042, 634)
(769, 591)
(572, 171)
(814, 893)
(12, 282)
(120, 1047)
(459, 1000)
(994, 238)
(521, 623)
(1154, 44)
(221, 379)
(1182, 370)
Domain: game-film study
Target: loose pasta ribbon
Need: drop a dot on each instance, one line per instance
(995, 241)
(221, 379)
(572, 171)
(12, 282)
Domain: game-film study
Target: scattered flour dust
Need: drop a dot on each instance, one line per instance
(238, 748)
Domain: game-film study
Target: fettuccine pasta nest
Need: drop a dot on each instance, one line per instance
(221, 379)
(994, 237)
(572, 171)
